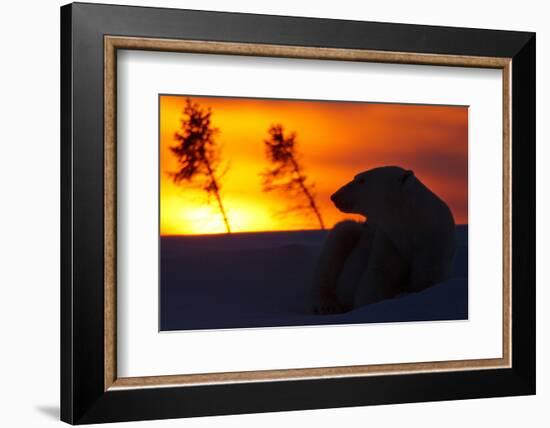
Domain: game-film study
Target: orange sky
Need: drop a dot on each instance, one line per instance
(336, 140)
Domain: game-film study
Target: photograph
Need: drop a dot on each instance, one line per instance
(293, 212)
(265, 213)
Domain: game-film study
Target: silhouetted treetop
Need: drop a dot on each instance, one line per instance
(197, 152)
(287, 173)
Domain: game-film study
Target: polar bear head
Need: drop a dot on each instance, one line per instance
(376, 193)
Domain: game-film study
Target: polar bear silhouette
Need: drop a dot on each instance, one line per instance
(406, 245)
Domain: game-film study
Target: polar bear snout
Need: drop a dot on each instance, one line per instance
(343, 200)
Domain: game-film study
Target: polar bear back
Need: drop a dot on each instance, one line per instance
(425, 234)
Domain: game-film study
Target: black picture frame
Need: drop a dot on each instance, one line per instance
(83, 396)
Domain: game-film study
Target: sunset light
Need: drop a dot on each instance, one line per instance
(334, 141)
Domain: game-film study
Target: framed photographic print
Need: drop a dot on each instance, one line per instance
(265, 213)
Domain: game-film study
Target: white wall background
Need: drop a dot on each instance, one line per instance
(29, 217)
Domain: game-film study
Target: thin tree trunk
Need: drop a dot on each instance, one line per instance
(222, 209)
(310, 198)
(217, 194)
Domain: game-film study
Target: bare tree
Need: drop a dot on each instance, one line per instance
(198, 154)
(287, 173)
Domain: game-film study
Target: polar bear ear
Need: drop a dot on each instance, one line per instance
(406, 176)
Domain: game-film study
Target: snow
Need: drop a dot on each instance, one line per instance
(264, 280)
